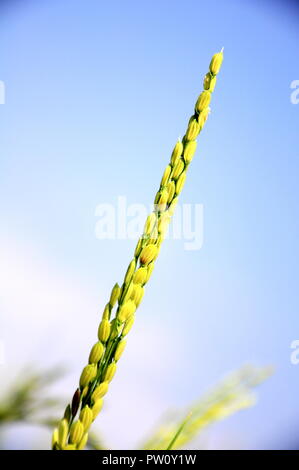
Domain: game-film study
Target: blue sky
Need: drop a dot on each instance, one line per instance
(97, 94)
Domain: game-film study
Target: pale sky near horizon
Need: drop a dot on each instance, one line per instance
(96, 95)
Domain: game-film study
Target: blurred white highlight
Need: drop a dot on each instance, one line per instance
(2, 354)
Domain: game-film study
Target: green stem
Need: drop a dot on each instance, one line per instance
(180, 429)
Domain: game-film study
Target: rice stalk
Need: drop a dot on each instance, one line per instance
(119, 313)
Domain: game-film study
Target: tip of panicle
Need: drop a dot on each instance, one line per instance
(222, 50)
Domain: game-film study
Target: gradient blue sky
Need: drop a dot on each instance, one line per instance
(96, 95)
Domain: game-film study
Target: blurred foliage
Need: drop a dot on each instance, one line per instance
(95, 441)
(27, 402)
(231, 395)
